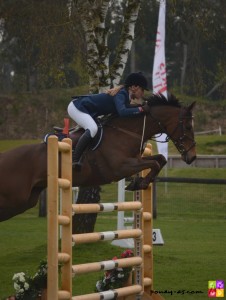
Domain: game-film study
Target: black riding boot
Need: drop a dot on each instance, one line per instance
(79, 149)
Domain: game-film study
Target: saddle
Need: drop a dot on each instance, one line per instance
(74, 134)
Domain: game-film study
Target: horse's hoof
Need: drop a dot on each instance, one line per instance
(130, 187)
(134, 185)
(143, 186)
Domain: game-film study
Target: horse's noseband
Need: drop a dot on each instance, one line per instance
(179, 142)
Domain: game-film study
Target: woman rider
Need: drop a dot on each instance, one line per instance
(84, 109)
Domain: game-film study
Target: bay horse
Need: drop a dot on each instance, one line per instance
(23, 172)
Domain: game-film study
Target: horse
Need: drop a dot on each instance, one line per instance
(24, 169)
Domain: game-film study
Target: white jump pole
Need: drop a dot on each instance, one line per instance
(124, 243)
(121, 198)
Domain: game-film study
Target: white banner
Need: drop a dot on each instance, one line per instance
(159, 80)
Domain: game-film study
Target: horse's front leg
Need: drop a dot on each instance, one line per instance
(158, 157)
(155, 163)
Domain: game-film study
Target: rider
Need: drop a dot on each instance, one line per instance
(84, 109)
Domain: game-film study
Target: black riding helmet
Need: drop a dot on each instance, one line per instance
(136, 79)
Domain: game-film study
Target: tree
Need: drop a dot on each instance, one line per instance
(47, 44)
(94, 19)
(38, 43)
(195, 31)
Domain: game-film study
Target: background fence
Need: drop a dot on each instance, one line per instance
(202, 161)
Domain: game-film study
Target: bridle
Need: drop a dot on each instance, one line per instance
(169, 136)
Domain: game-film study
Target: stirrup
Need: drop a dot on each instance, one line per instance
(77, 165)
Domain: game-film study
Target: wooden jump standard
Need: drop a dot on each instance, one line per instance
(142, 234)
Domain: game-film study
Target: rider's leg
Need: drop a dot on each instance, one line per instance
(86, 121)
(83, 142)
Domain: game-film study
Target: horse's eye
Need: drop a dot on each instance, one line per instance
(189, 125)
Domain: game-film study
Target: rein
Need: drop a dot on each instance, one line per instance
(144, 126)
(133, 134)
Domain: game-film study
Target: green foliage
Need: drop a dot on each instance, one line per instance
(33, 115)
(189, 24)
(116, 278)
(42, 51)
(43, 44)
(41, 111)
(30, 287)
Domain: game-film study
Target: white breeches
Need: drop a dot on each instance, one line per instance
(82, 119)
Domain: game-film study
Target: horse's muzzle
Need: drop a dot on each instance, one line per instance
(188, 158)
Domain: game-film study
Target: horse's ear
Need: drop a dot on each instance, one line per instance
(191, 106)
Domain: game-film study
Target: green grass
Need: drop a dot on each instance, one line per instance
(205, 144)
(192, 219)
(193, 253)
(23, 245)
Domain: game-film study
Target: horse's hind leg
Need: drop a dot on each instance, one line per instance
(156, 163)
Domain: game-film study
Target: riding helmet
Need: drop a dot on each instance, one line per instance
(136, 79)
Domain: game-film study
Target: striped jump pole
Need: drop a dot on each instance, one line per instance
(136, 261)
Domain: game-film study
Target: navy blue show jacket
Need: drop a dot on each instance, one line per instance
(104, 104)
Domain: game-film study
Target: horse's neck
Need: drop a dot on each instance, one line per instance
(142, 124)
(136, 130)
(162, 117)
(133, 124)
(146, 126)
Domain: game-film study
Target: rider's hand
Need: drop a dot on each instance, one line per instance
(136, 101)
(114, 90)
(145, 108)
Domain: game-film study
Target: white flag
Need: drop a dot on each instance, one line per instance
(159, 80)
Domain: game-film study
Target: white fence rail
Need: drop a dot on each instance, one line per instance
(202, 161)
(219, 130)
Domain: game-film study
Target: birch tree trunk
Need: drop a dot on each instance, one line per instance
(93, 19)
(101, 75)
(126, 40)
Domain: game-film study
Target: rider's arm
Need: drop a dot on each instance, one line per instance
(114, 90)
(123, 106)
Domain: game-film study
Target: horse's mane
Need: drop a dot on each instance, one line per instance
(159, 99)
